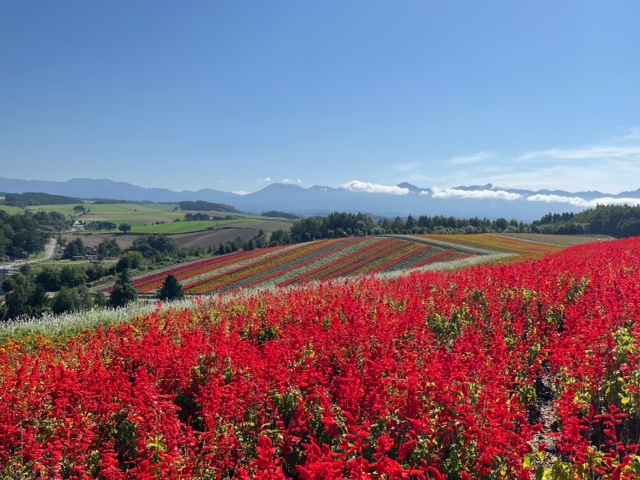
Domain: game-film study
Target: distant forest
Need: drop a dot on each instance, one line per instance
(32, 199)
(202, 206)
(614, 220)
(278, 214)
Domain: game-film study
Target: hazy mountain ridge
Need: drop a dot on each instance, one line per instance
(462, 201)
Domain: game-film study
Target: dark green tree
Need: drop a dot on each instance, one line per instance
(123, 291)
(23, 297)
(171, 289)
(124, 227)
(129, 260)
(75, 248)
(72, 277)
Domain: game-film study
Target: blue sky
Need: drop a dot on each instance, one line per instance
(234, 95)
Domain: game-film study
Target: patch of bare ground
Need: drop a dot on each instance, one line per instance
(561, 240)
(543, 412)
(205, 239)
(92, 240)
(213, 238)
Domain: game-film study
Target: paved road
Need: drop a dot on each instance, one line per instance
(49, 252)
(50, 249)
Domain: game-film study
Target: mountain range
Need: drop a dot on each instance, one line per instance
(403, 199)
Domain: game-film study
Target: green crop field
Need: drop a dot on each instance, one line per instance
(155, 218)
(10, 210)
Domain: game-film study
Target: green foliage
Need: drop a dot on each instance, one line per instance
(72, 300)
(108, 248)
(171, 289)
(20, 233)
(75, 248)
(196, 217)
(49, 279)
(52, 220)
(202, 206)
(123, 291)
(130, 260)
(279, 237)
(71, 276)
(339, 225)
(36, 198)
(156, 247)
(124, 227)
(278, 214)
(23, 298)
(614, 220)
(100, 225)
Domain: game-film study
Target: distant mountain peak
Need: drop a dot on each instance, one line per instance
(412, 188)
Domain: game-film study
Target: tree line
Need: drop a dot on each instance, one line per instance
(615, 220)
(202, 206)
(31, 199)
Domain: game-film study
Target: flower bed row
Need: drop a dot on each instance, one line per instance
(277, 275)
(222, 279)
(344, 264)
(195, 272)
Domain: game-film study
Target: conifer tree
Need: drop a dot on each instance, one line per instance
(171, 289)
(123, 292)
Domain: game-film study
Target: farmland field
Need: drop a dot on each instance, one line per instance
(204, 238)
(301, 263)
(520, 371)
(328, 259)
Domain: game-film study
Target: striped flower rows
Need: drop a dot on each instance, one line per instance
(191, 271)
(296, 264)
(346, 264)
(295, 269)
(388, 262)
(224, 279)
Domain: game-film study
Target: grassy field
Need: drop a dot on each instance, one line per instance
(10, 210)
(157, 218)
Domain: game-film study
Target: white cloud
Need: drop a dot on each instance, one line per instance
(581, 202)
(288, 181)
(264, 180)
(599, 153)
(405, 167)
(240, 192)
(475, 194)
(466, 159)
(357, 186)
(611, 166)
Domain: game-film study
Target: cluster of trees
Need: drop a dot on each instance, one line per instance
(51, 221)
(341, 224)
(100, 225)
(31, 199)
(278, 214)
(193, 217)
(33, 292)
(108, 248)
(202, 206)
(230, 246)
(20, 233)
(615, 220)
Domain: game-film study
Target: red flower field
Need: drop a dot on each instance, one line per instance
(528, 370)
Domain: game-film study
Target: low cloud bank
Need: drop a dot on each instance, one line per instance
(475, 194)
(357, 186)
(581, 202)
